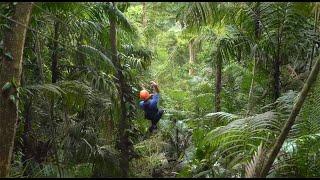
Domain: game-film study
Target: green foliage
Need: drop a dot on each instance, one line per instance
(300, 156)
(151, 156)
(80, 113)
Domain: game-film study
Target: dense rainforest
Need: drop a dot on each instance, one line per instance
(238, 83)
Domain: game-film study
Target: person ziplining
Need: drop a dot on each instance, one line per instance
(149, 105)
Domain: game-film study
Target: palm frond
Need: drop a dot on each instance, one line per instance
(254, 166)
(47, 88)
(222, 116)
(102, 55)
(114, 12)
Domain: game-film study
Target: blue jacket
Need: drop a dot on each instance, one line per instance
(150, 106)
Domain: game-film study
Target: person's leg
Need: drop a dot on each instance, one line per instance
(158, 116)
(153, 125)
(155, 120)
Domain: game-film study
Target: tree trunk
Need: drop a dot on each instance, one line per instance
(177, 138)
(316, 18)
(276, 77)
(276, 65)
(218, 81)
(14, 39)
(239, 55)
(54, 79)
(250, 99)
(80, 55)
(27, 151)
(39, 59)
(144, 14)
(295, 111)
(257, 33)
(257, 29)
(191, 57)
(110, 127)
(54, 56)
(123, 124)
(110, 132)
(27, 144)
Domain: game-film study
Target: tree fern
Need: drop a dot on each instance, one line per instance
(303, 140)
(254, 166)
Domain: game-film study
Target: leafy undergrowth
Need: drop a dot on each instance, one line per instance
(155, 158)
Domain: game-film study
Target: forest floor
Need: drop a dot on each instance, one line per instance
(156, 157)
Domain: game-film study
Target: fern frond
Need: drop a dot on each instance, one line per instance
(254, 166)
(222, 116)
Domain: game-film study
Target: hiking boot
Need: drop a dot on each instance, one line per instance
(153, 127)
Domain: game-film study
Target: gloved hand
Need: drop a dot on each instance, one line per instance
(154, 86)
(153, 83)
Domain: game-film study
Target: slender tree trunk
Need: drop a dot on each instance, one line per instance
(177, 138)
(316, 18)
(276, 65)
(191, 57)
(295, 111)
(239, 55)
(54, 79)
(110, 128)
(123, 124)
(27, 144)
(256, 56)
(39, 59)
(250, 99)
(144, 14)
(257, 29)
(109, 124)
(27, 151)
(218, 81)
(54, 141)
(14, 39)
(276, 77)
(54, 56)
(80, 55)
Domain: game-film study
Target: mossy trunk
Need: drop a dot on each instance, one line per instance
(123, 123)
(11, 68)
